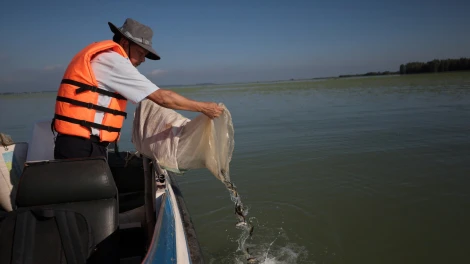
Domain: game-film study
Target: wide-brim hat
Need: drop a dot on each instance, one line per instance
(139, 34)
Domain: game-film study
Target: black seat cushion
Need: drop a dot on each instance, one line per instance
(64, 181)
(85, 186)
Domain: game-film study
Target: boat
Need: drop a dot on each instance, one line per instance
(123, 209)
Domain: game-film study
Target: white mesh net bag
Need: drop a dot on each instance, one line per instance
(180, 144)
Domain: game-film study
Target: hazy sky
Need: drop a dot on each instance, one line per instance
(233, 41)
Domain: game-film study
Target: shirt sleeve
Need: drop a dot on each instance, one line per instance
(116, 73)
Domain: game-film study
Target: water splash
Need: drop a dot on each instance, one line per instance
(246, 226)
(274, 249)
(262, 253)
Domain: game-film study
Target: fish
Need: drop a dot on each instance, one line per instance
(251, 230)
(252, 260)
(241, 223)
(239, 211)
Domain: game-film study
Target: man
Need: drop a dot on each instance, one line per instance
(92, 97)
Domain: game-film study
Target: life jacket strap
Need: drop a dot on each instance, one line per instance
(87, 124)
(85, 87)
(91, 106)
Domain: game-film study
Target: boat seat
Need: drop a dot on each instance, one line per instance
(85, 186)
(128, 174)
(132, 218)
(41, 145)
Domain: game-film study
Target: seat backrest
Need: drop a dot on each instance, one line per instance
(41, 145)
(85, 186)
(49, 236)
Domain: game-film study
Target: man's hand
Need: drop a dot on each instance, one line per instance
(212, 110)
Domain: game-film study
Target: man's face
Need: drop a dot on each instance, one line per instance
(137, 53)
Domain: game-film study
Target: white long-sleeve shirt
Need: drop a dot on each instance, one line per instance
(117, 74)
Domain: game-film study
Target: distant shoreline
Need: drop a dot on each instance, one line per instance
(434, 66)
(370, 74)
(14, 93)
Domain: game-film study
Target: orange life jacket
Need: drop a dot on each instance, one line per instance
(77, 98)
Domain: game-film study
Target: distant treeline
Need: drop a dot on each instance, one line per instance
(369, 74)
(461, 64)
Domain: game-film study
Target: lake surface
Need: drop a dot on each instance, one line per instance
(359, 170)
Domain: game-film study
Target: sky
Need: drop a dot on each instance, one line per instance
(233, 41)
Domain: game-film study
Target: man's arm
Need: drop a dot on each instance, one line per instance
(172, 100)
(115, 73)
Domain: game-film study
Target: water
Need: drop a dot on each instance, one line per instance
(364, 170)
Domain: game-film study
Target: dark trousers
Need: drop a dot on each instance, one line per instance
(69, 147)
